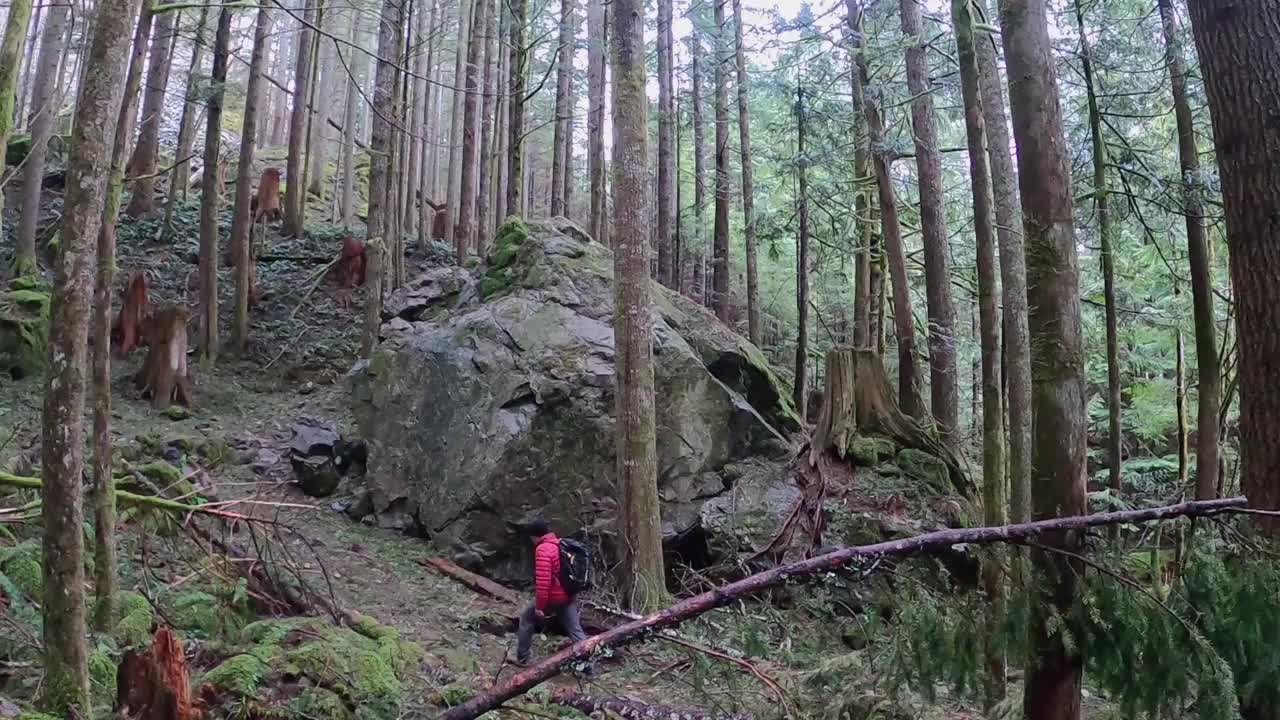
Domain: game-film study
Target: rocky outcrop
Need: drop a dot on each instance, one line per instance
(490, 401)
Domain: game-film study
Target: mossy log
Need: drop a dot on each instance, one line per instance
(857, 400)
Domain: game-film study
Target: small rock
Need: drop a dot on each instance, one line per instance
(176, 412)
(317, 475)
(307, 389)
(265, 460)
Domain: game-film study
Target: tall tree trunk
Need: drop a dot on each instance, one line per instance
(285, 51)
(104, 499)
(348, 202)
(699, 281)
(933, 226)
(644, 577)
(462, 240)
(1052, 690)
(210, 198)
(242, 218)
(143, 163)
(597, 39)
(1239, 46)
(993, 460)
(380, 143)
(1106, 237)
(500, 118)
(801, 388)
(323, 72)
(754, 327)
(187, 123)
(15, 29)
(515, 123)
(721, 300)
(66, 660)
(423, 26)
(862, 264)
(564, 78)
(314, 82)
(571, 120)
(44, 111)
(1207, 367)
(1013, 275)
(457, 109)
(295, 195)
(487, 161)
(904, 322)
(28, 72)
(665, 195)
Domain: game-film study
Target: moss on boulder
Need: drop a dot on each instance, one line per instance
(867, 451)
(21, 564)
(133, 629)
(24, 326)
(927, 468)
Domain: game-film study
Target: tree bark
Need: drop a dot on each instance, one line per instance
(302, 183)
(1106, 238)
(1052, 690)
(28, 73)
(143, 163)
(1013, 275)
(66, 661)
(348, 201)
(644, 580)
(104, 505)
(863, 264)
(242, 219)
(423, 27)
(209, 197)
(380, 141)
(666, 141)
(318, 147)
(597, 41)
(697, 258)
(755, 327)
(295, 195)
(15, 33)
(801, 386)
(564, 79)
(1209, 393)
(904, 322)
(457, 109)
(374, 252)
(44, 111)
(463, 234)
(187, 123)
(993, 461)
(1239, 46)
(933, 227)
(570, 120)
(488, 162)
(500, 119)
(515, 123)
(720, 293)
(843, 558)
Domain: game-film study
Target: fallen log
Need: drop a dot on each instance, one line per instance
(127, 498)
(861, 557)
(632, 710)
(478, 583)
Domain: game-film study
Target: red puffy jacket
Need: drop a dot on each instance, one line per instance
(548, 592)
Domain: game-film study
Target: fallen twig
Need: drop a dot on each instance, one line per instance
(319, 277)
(630, 709)
(830, 562)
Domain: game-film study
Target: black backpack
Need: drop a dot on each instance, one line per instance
(575, 566)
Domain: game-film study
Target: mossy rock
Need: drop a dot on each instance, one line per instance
(499, 277)
(102, 676)
(867, 451)
(24, 328)
(133, 629)
(363, 668)
(21, 564)
(317, 702)
(202, 614)
(926, 468)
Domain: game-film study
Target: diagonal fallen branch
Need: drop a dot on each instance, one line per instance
(478, 583)
(522, 681)
(128, 498)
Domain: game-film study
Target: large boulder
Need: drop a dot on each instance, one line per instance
(486, 406)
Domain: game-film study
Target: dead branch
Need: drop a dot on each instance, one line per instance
(630, 709)
(319, 278)
(837, 560)
(478, 583)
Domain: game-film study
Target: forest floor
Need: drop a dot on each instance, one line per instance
(822, 657)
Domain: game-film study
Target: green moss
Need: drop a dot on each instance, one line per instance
(36, 716)
(214, 452)
(493, 283)
(241, 674)
(868, 451)
(16, 151)
(926, 468)
(511, 236)
(160, 472)
(136, 618)
(176, 412)
(102, 676)
(24, 326)
(455, 694)
(315, 702)
(198, 612)
(151, 444)
(21, 563)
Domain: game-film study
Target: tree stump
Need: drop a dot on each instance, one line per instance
(164, 372)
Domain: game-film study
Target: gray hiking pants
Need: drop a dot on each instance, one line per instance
(570, 619)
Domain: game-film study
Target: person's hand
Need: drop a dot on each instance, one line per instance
(539, 614)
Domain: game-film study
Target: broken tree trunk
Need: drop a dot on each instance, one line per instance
(858, 400)
(630, 709)
(867, 557)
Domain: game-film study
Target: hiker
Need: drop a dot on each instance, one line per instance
(561, 570)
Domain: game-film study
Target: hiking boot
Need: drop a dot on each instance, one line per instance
(523, 662)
